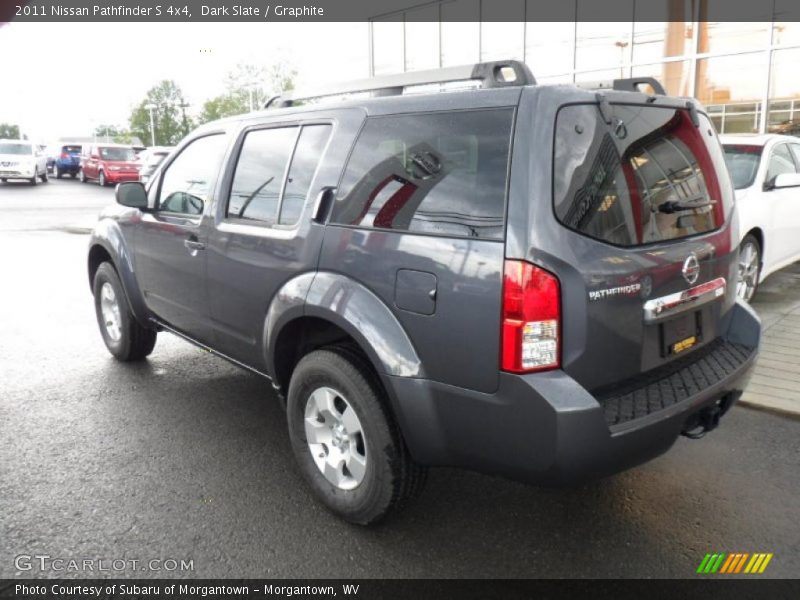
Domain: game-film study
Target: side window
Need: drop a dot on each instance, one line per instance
(780, 161)
(189, 179)
(304, 164)
(796, 153)
(259, 174)
(439, 173)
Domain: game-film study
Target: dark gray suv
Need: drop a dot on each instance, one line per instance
(532, 281)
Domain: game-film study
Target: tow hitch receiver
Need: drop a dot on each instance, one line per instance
(707, 418)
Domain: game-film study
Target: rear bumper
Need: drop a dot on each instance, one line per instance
(116, 177)
(67, 167)
(547, 429)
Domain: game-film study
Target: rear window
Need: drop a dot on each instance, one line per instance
(742, 161)
(648, 176)
(71, 149)
(436, 173)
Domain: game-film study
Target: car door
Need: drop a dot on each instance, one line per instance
(784, 206)
(90, 165)
(170, 241)
(264, 233)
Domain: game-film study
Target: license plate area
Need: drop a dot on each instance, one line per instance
(680, 334)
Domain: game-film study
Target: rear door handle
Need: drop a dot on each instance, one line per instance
(194, 244)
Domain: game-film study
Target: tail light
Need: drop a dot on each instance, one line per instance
(64, 155)
(531, 319)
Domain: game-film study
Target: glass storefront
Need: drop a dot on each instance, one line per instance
(735, 69)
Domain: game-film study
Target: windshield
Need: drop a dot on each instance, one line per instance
(21, 149)
(123, 154)
(742, 163)
(648, 176)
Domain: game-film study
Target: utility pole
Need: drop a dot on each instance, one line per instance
(151, 108)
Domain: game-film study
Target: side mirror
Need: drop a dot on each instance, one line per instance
(132, 194)
(786, 180)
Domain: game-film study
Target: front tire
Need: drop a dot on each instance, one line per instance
(101, 179)
(35, 179)
(124, 337)
(749, 268)
(345, 440)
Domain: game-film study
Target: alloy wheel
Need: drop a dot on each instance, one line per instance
(748, 271)
(335, 438)
(109, 308)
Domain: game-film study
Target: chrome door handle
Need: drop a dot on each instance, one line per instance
(194, 245)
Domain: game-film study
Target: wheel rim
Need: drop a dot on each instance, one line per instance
(102, 178)
(109, 308)
(748, 271)
(335, 438)
(55, 170)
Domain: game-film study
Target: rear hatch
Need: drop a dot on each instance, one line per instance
(71, 155)
(644, 203)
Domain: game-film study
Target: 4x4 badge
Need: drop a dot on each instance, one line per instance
(691, 269)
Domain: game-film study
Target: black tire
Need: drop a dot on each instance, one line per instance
(101, 179)
(3, 180)
(56, 172)
(391, 477)
(747, 290)
(44, 177)
(35, 179)
(73, 175)
(82, 176)
(135, 342)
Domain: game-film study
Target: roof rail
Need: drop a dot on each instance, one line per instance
(500, 73)
(629, 84)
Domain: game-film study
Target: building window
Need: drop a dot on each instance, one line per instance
(732, 87)
(422, 38)
(387, 47)
(550, 48)
(783, 115)
(654, 41)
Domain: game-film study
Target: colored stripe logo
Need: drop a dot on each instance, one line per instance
(734, 562)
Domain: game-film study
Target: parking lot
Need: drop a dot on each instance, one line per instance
(187, 457)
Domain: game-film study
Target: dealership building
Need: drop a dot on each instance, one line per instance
(746, 73)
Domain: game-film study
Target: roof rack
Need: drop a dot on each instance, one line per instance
(495, 74)
(630, 84)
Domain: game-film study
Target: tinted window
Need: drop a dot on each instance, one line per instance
(71, 149)
(189, 179)
(442, 173)
(796, 153)
(304, 164)
(650, 175)
(742, 164)
(259, 174)
(122, 154)
(780, 161)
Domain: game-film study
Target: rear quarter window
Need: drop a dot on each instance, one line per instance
(435, 173)
(650, 175)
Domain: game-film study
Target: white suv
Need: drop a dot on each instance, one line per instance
(22, 160)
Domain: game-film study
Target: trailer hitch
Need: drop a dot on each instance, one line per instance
(707, 418)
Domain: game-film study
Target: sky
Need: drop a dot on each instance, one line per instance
(61, 80)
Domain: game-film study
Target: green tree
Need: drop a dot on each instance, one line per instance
(113, 133)
(170, 120)
(248, 87)
(9, 132)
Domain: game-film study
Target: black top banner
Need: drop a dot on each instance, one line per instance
(397, 10)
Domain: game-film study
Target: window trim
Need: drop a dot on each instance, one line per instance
(772, 150)
(227, 222)
(513, 108)
(166, 167)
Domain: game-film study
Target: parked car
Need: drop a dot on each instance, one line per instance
(150, 159)
(766, 175)
(22, 160)
(419, 298)
(67, 161)
(108, 164)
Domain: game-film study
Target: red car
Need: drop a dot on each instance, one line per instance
(108, 164)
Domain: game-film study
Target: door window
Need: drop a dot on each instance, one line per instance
(189, 180)
(306, 157)
(780, 161)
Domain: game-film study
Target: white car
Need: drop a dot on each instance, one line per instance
(766, 174)
(22, 160)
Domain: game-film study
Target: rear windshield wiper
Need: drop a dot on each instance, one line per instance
(672, 206)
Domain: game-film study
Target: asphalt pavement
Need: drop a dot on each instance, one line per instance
(186, 457)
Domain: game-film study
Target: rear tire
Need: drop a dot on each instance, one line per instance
(56, 172)
(124, 337)
(356, 462)
(44, 177)
(749, 268)
(82, 176)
